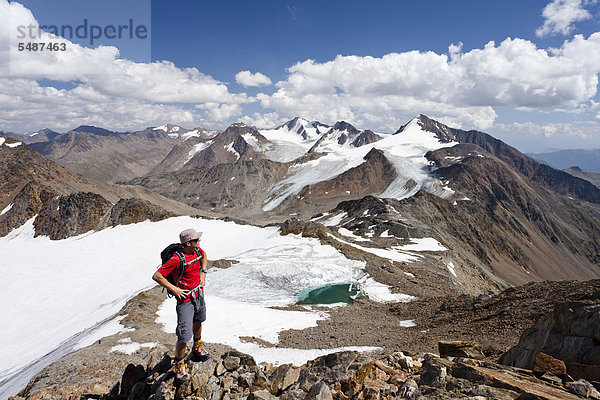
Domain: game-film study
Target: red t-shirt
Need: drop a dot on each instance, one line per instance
(191, 276)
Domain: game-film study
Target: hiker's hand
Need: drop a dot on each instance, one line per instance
(202, 279)
(180, 293)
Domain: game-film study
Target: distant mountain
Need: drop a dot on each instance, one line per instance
(63, 204)
(584, 159)
(592, 177)
(105, 155)
(508, 218)
(42, 135)
(94, 130)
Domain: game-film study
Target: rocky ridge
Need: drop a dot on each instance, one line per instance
(65, 204)
(451, 369)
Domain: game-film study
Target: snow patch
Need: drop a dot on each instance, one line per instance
(230, 149)
(335, 220)
(393, 255)
(131, 347)
(6, 209)
(422, 244)
(348, 233)
(407, 323)
(13, 145)
(381, 293)
(197, 148)
(386, 234)
(451, 269)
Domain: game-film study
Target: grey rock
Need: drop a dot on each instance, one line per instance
(246, 380)
(293, 394)
(320, 391)
(488, 392)
(231, 363)
(409, 389)
(433, 374)
(262, 394)
(569, 334)
(581, 388)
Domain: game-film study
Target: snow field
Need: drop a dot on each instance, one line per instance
(61, 288)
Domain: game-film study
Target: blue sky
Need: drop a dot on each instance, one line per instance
(526, 72)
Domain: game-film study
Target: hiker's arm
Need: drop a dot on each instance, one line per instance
(203, 274)
(162, 281)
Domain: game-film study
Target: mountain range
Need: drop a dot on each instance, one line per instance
(562, 159)
(504, 217)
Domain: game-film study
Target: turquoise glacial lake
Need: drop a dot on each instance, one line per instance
(329, 294)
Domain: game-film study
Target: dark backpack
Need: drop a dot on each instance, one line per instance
(166, 254)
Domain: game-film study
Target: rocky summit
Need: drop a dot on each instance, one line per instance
(555, 357)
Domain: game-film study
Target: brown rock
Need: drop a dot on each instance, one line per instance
(526, 386)
(283, 377)
(260, 395)
(466, 349)
(545, 363)
(320, 391)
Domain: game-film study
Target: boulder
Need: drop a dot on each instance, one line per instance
(284, 377)
(132, 375)
(583, 388)
(570, 333)
(465, 349)
(544, 363)
(320, 391)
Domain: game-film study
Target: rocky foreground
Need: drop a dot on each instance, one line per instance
(558, 357)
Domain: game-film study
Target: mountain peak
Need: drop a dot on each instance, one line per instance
(423, 122)
(93, 130)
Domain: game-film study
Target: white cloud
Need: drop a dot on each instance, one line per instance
(111, 91)
(550, 130)
(25, 105)
(461, 88)
(560, 15)
(221, 112)
(246, 78)
(265, 120)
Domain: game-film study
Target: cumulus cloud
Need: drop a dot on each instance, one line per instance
(560, 15)
(460, 88)
(108, 89)
(549, 130)
(247, 78)
(264, 120)
(26, 105)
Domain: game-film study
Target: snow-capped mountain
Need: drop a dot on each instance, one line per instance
(344, 135)
(177, 132)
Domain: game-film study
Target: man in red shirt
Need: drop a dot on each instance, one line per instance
(189, 291)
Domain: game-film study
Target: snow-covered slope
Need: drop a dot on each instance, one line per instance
(176, 131)
(81, 285)
(293, 139)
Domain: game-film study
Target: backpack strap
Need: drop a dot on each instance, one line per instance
(182, 265)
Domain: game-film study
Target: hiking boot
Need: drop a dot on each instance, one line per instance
(199, 353)
(181, 372)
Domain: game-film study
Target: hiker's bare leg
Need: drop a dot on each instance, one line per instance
(197, 329)
(180, 350)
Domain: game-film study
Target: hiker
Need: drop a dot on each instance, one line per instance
(189, 291)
